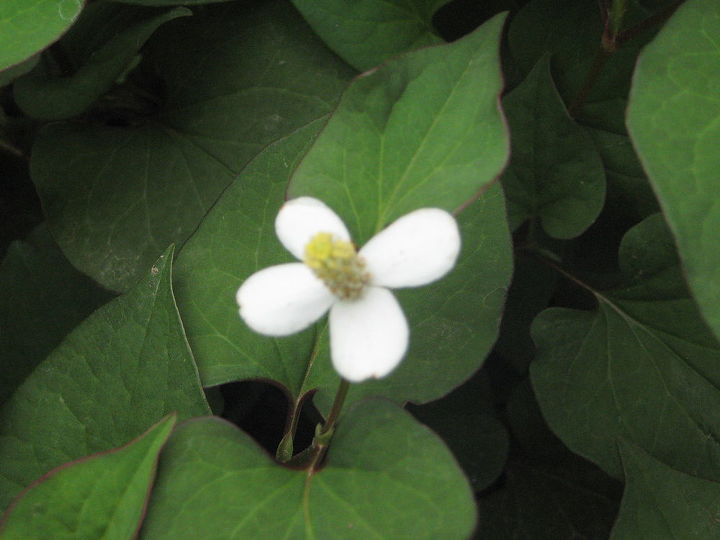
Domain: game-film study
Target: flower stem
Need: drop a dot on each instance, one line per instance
(324, 432)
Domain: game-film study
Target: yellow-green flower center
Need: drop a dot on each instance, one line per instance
(337, 263)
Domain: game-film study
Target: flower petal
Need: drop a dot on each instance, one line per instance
(414, 250)
(283, 299)
(300, 219)
(368, 336)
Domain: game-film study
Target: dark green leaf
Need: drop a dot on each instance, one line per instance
(385, 477)
(367, 32)
(42, 299)
(674, 121)
(101, 496)
(546, 493)
(116, 196)
(41, 94)
(28, 26)
(555, 174)
(643, 367)
(466, 421)
(118, 372)
(665, 504)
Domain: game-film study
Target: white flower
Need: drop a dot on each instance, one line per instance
(368, 330)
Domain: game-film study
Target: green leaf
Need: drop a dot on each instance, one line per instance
(466, 421)
(365, 33)
(41, 94)
(674, 121)
(663, 503)
(547, 493)
(10, 74)
(238, 238)
(28, 26)
(124, 367)
(422, 130)
(555, 174)
(116, 196)
(101, 496)
(385, 477)
(43, 297)
(642, 367)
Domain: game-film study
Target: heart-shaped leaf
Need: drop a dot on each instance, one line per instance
(555, 174)
(663, 503)
(674, 121)
(365, 33)
(385, 476)
(101, 496)
(421, 130)
(123, 368)
(116, 196)
(643, 367)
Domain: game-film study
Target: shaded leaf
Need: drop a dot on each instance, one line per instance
(546, 491)
(116, 196)
(466, 421)
(643, 367)
(101, 496)
(370, 486)
(674, 121)
(555, 174)
(43, 297)
(124, 367)
(42, 94)
(365, 33)
(663, 503)
(28, 26)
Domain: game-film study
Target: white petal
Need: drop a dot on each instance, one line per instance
(283, 299)
(368, 336)
(300, 219)
(417, 249)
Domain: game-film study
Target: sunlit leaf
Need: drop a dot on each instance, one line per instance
(28, 26)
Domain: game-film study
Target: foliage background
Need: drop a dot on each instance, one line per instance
(562, 382)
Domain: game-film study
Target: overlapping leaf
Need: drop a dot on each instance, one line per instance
(385, 477)
(674, 121)
(230, 82)
(547, 492)
(28, 26)
(663, 503)
(122, 369)
(367, 32)
(43, 298)
(643, 367)
(555, 175)
(42, 94)
(237, 238)
(422, 130)
(101, 496)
